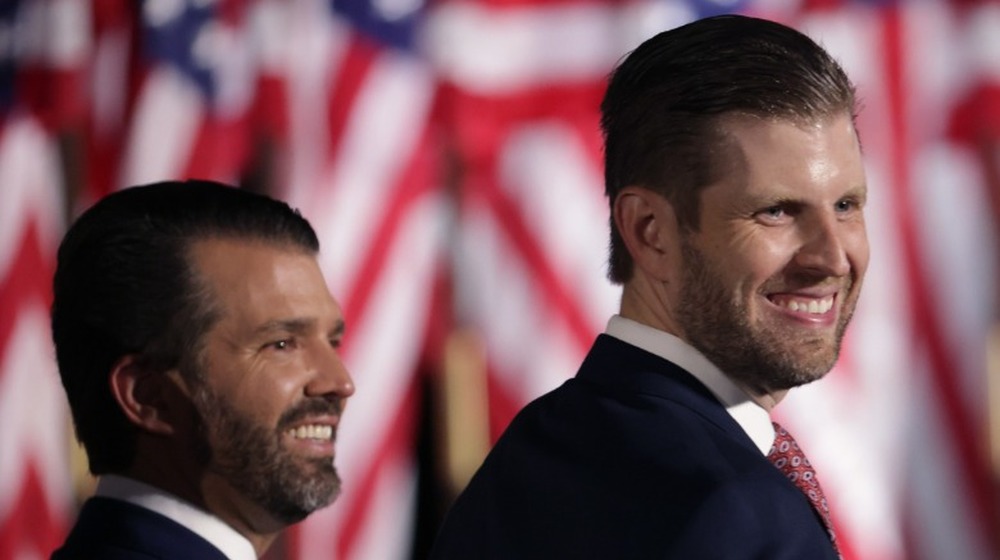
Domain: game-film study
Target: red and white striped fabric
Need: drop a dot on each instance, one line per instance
(35, 491)
(39, 71)
(362, 167)
(530, 260)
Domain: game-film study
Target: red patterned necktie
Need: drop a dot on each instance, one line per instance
(789, 458)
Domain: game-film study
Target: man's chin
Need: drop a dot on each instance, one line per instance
(309, 497)
(801, 373)
(781, 372)
(320, 485)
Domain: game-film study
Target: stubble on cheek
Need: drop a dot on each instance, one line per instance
(746, 338)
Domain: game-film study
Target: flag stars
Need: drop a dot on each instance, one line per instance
(189, 36)
(223, 52)
(158, 13)
(397, 10)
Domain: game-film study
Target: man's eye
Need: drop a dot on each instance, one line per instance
(771, 213)
(846, 205)
(284, 344)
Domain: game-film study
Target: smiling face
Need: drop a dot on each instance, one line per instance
(272, 385)
(771, 277)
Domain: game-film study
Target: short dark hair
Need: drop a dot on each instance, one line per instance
(124, 284)
(664, 102)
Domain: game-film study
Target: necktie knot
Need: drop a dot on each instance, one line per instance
(788, 457)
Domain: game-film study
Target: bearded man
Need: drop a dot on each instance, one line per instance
(734, 173)
(198, 346)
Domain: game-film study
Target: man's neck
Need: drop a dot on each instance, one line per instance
(647, 308)
(647, 305)
(216, 497)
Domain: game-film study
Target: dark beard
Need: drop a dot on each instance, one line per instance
(761, 359)
(249, 456)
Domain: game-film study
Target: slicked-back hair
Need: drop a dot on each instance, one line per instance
(125, 285)
(661, 112)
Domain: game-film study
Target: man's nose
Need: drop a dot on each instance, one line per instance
(330, 377)
(824, 247)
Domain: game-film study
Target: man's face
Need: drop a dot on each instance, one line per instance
(271, 383)
(772, 275)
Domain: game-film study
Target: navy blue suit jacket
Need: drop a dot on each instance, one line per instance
(109, 529)
(632, 458)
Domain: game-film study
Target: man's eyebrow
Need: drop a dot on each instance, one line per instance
(294, 326)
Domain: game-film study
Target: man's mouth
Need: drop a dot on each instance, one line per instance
(809, 305)
(318, 432)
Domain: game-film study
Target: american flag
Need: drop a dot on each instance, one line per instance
(363, 166)
(36, 64)
(449, 156)
(192, 89)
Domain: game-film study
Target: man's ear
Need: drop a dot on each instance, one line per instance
(648, 226)
(148, 398)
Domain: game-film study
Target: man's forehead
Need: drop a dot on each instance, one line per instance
(776, 153)
(246, 271)
(225, 241)
(741, 134)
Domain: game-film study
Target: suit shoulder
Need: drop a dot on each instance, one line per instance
(112, 529)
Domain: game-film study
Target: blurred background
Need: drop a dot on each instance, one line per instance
(448, 154)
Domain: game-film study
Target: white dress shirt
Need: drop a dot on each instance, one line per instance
(752, 417)
(209, 527)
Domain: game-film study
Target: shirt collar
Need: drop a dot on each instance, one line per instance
(234, 545)
(752, 417)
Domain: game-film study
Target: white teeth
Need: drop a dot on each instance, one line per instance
(312, 431)
(816, 307)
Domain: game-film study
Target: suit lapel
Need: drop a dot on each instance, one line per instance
(619, 367)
